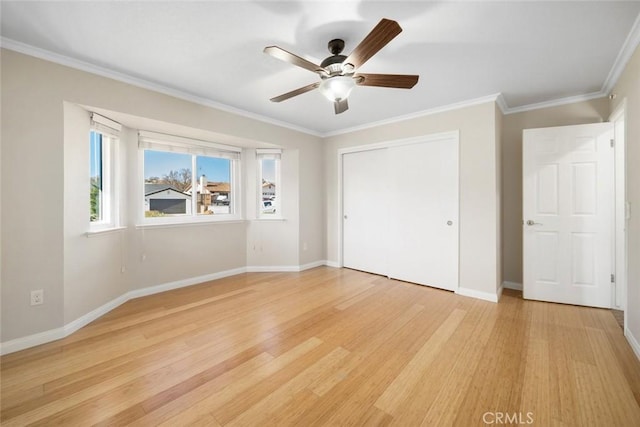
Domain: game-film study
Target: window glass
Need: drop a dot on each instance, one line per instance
(96, 204)
(167, 184)
(214, 194)
(169, 180)
(268, 186)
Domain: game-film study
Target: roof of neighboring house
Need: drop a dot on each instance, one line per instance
(219, 187)
(268, 184)
(158, 188)
(214, 187)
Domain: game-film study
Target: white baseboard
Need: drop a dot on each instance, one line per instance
(487, 296)
(311, 265)
(633, 342)
(334, 264)
(512, 285)
(84, 320)
(136, 293)
(18, 344)
(284, 268)
(272, 268)
(71, 327)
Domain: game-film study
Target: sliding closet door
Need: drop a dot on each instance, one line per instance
(365, 211)
(423, 217)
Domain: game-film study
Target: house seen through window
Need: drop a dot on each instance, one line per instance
(182, 180)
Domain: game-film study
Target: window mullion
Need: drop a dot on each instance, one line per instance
(194, 188)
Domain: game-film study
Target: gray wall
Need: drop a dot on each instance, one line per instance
(43, 242)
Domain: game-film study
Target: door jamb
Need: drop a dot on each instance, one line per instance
(620, 235)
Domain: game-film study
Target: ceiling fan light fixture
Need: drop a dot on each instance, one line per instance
(337, 87)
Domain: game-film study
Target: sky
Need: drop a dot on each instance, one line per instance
(159, 163)
(96, 153)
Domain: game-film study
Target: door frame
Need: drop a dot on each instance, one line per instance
(621, 210)
(455, 134)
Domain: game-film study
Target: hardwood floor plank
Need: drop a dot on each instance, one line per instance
(256, 414)
(183, 411)
(403, 383)
(327, 347)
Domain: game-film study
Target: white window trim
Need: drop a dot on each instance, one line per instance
(276, 154)
(163, 142)
(94, 233)
(110, 203)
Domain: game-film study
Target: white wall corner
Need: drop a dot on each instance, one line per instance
(486, 296)
(333, 264)
(633, 342)
(512, 285)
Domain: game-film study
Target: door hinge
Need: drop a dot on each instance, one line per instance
(613, 278)
(612, 142)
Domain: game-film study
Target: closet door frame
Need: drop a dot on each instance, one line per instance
(455, 135)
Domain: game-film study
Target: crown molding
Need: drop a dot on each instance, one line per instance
(628, 48)
(423, 113)
(37, 52)
(556, 102)
(502, 104)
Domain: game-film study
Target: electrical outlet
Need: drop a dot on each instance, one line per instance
(37, 297)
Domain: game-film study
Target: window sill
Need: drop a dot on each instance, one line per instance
(269, 219)
(99, 232)
(171, 224)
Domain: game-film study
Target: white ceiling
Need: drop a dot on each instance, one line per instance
(530, 51)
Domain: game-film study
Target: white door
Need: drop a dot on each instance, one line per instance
(365, 211)
(423, 204)
(568, 200)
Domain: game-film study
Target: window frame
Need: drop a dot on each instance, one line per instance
(162, 142)
(110, 192)
(267, 154)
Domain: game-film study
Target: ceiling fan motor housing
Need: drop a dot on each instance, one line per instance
(333, 64)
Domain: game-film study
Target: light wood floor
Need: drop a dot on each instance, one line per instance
(328, 347)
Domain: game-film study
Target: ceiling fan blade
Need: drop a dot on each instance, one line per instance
(296, 92)
(378, 38)
(401, 81)
(341, 106)
(289, 57)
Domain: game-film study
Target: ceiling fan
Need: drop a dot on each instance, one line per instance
(338, 74)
